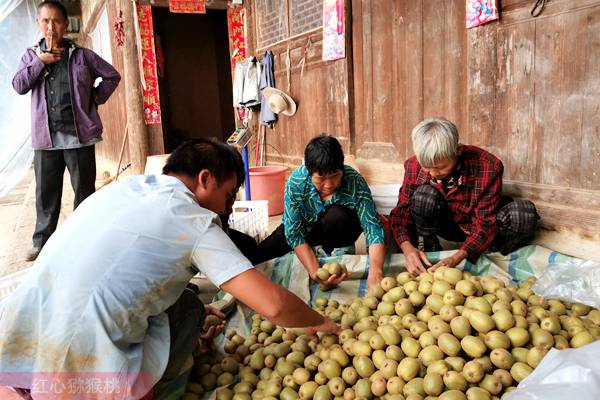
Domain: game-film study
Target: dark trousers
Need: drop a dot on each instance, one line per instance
(49, 167)
(246, 244)
(186, 318)
(338, 226)
(516, 221)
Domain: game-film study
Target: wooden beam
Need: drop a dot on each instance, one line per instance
(138, 134)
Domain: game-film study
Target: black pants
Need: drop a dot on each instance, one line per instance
(516, 219)
(338, 226)
(186, 318)
(49, 167)
(246, 244)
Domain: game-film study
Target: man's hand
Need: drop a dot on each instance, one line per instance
(50, 57)
(207, 338)
(451, 261)
(375, 277)
(328, 326)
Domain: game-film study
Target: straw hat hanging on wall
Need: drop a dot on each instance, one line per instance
(279, 102)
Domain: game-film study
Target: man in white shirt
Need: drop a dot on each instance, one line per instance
(109, 286)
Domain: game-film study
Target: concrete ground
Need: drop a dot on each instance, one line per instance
(17, 213)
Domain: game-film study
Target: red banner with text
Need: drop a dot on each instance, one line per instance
(187, 6)
(237, 38)
(148, 64)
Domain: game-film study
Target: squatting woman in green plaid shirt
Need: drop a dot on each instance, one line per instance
(327, 203)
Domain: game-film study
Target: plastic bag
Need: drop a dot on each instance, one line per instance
(18, 30)
(575, 281)
(563, 374)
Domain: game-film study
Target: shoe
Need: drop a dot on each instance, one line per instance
(32, 253)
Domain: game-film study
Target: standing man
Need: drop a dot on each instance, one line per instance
(455, 191)
(326, 203)
(107, 295)
(65, 124)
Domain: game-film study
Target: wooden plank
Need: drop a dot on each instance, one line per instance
(382, 81)
(552, 9)
(590, 144)
(112, 113)
(367, 77)
(358, 74)
(514, 141)
(582, 221)
(558, 101)
(455, 91)
(413, 88)
(349, 79)
(578, 198)
(481, 85)
(399, 101)
(434, 60)
(138, 134)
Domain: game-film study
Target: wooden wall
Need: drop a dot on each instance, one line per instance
(409, 61)
(319, 88)
(533, 87)
(113, 113)
(524, 88)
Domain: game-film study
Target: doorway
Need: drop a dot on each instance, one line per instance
(194, 72)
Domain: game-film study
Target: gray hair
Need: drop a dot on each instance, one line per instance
(435, 139)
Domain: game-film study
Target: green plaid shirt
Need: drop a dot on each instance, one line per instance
(303, 206)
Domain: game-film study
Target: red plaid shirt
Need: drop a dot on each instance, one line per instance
(473, 201)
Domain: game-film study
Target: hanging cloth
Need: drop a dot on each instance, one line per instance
(267, 79)
(246, 81)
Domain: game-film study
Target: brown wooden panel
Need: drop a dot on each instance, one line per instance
(577, 198)
(113, 113)
(363, 73)
(412, 84)
(558, 105)
(321, 93)
(434, 58)
(409, 63)
(590, 144)
(514, 141)
(482, 75)
(383, 83)
(455, 62)
(522, 11)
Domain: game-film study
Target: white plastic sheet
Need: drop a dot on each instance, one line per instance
(563, 374)
(575, 281)
(18, 30)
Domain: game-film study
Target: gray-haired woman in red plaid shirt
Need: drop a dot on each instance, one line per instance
(454, 191)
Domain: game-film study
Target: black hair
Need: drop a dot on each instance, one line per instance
(323, 155)
(55, 4)
(193, 156)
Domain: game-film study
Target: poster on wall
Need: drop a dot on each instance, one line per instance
(148, 65)
(480, 12)
(334, 43)
(236, 18)
(187, 6)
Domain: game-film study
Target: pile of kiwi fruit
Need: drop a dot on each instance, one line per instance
(444, 335)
